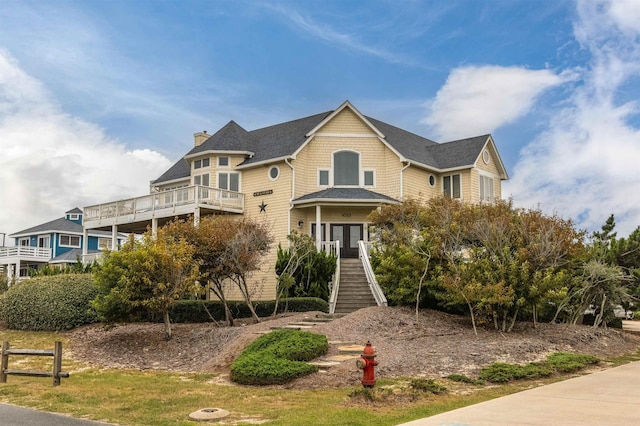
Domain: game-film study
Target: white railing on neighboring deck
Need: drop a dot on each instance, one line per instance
(25, 251)
(363, 253)
(333, 247)
(166, 202)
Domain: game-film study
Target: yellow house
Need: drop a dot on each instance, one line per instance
(325, 172)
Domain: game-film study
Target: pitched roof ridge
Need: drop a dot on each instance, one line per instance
(326, 113)
(399, 129)
(485, 136)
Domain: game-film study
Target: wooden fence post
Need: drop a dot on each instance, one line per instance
(4, 364)
(57, 363)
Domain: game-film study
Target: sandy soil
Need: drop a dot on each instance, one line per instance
(435, 345)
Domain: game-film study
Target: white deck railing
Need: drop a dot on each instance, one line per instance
(363, 253)
(24, 251)
(166, 203)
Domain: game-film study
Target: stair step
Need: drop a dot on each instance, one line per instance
(307, 324)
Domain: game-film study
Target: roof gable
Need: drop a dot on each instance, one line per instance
(346, 107)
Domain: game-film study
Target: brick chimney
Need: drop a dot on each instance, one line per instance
(200, 137)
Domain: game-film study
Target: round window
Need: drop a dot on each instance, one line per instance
(432, 181)
(274, 172)
(486, 157)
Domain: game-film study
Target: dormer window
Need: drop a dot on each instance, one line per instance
(74, 216)
(346, 168)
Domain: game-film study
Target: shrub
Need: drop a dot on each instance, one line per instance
(562, 362)
(427, 385)
(567, 362)
(278, 357)
(196, 310)
(500, 372)
(465, 379)
(59, 302)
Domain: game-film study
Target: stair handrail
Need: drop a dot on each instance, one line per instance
(363, 253)
(333, 298)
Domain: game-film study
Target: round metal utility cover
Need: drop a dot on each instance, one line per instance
(209, 414)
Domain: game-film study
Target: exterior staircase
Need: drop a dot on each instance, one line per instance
(354, 292)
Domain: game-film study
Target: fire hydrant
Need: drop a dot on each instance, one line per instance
(367, 363)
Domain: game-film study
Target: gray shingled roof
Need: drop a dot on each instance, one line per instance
(351, 194)
(71, 256)
(231, 137)
(60, 225)
(74, 211)
(178, 171)
(284, 139)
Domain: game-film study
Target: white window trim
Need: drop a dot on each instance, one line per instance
(328, 180)
(202, 166)
(70, 237)
(269, 173)
(229, 180)
(493, 186)
(374, 178)
(228, 162)
(429, 178)
(201, 174)
(451, 176)
(108, 245)
(27, 239)
(332, 172)
(74, 216)
(47, 237)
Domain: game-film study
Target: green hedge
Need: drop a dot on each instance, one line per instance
(194, 310)
(58, 302)
(278, 357)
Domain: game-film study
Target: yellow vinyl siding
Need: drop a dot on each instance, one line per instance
(276, 215)
(346, 122)
(416, 184)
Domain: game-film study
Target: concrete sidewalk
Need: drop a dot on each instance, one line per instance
(609, 397)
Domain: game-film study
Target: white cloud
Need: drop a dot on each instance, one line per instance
(52, 162)
(479, 99)
(585, 165)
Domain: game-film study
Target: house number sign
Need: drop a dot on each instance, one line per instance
(259, 193)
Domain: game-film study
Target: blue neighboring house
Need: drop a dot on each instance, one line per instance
(58, 242)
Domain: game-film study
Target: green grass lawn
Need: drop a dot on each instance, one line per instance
(130, 397)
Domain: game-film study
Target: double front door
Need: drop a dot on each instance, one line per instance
(348, 234)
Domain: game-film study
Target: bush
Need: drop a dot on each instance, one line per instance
(196, 310)
(427, 386)
(465, 379)
(278, 357)
(59, 302)
(568, 363)
(562, 362)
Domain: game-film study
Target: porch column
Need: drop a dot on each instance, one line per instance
(196, 217)
(85, 244)
(9, 272)
(114, 237)
(319, 235)
(154, 228)
(17, 274)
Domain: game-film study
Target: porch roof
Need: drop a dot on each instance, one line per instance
(345, 195)
(71, 256)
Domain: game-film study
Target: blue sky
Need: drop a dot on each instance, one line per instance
(99, 97)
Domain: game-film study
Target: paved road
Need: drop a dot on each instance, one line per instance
(609, 397)
(10, 415)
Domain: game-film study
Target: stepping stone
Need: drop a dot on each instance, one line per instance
(341, 342)
(317, 320)
(324, 364)
(340, 358)
(303, 323)
(351, 349)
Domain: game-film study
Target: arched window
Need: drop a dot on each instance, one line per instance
(346, 168)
